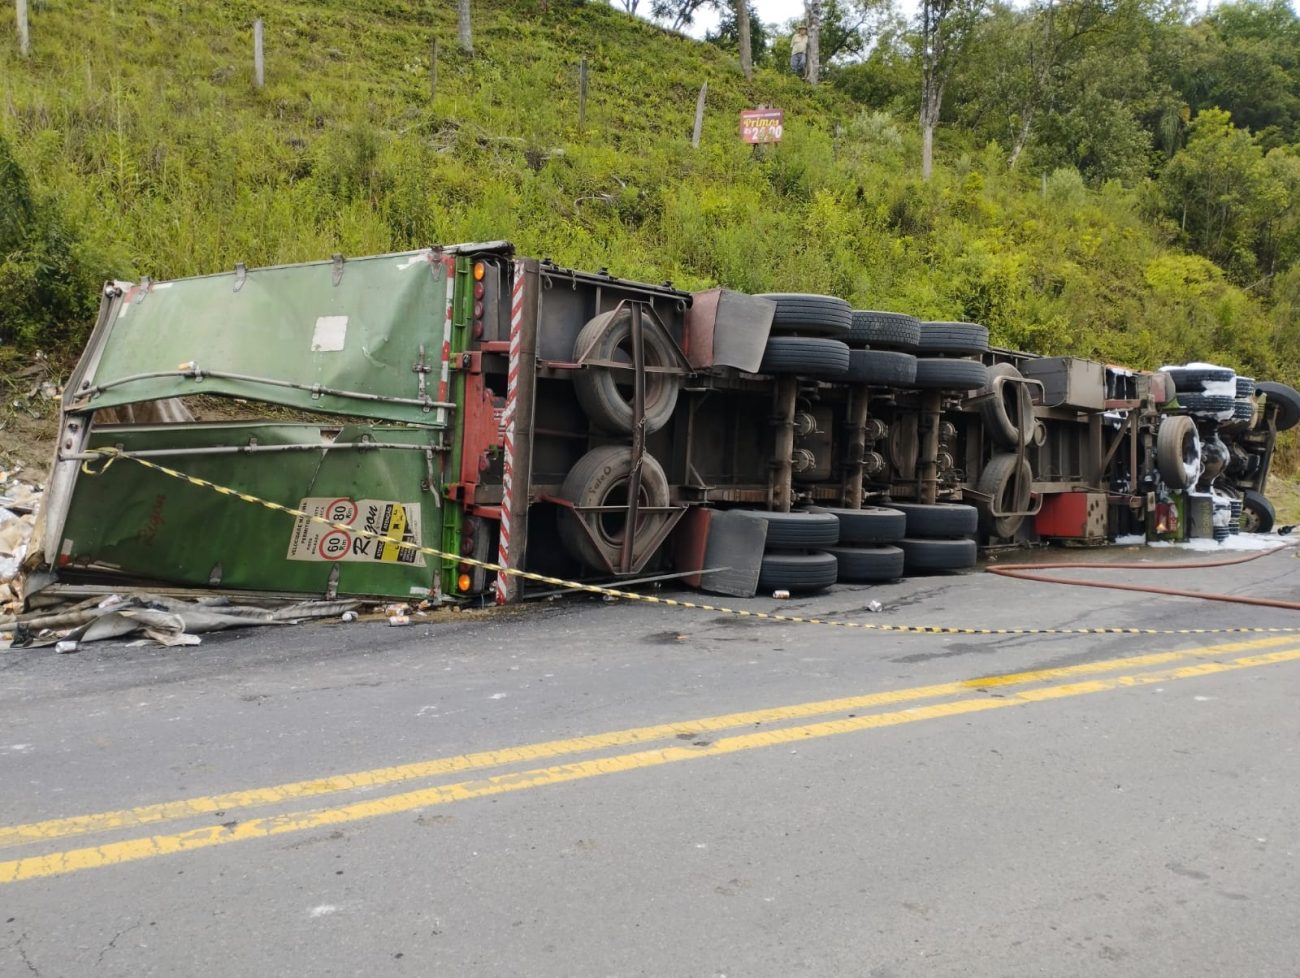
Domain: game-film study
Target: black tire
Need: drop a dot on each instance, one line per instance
(963, 339)
(816, 315)
(797, 572)
(1287, 399)
(870, 524)
(800, 530)
(939, 519)
(1178, 451)
(1243, 410)
(605, 394)
(868, 563)
(1010, 482)
(881, 368)
(922, 556)
(807, 356)
(595, 481)
(937, 373)
(1257, 513)
(884, 330)
(1009, 414)
(1207, 405)
(1192, 380)
(1245, 386)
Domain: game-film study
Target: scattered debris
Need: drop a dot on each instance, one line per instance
(781, 595)
(167, 621)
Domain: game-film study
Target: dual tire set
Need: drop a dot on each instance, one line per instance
(822, 337)
(809, 550)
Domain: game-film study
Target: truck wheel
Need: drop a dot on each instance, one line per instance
(1009, 414)
(1287, 398)
(884, 331)
(1192, 380)
(920, 556)
(1178, 451)
(939, 519)
(797, 572)
(870, 524)
(807, 356)
(1245, 387)
(962, 339)
(868, 563)
(1257, 514)
(812, 315)
(936, 373)
(600, 478)
(1217, 406)
(882, 368)
(606, 394)
(1010, 483)
(800, 530)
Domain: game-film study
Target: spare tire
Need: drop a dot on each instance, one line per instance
(1218, 406)
(1245, 386)
(884, 330)
(870, 524)
(1287, 399)
(963, 339)
(1008, 414)
(1009, 481)
(920, 556)
(1178, 451)
(806, 356)
(820, 315)
(797, 572)
(1192, 380)
(596, 480)
(800, 530)
(881, 368)
(939, 519)
(605, 393)
(868, 563)
(937, 373)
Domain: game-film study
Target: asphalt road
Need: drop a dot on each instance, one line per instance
(583, 788)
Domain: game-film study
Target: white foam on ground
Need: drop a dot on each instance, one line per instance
(1238, 541)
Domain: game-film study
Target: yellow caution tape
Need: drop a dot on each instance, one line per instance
(112, 454)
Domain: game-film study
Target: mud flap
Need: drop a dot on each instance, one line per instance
(731, 542)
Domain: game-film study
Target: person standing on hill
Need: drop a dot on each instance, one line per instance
(799, 51)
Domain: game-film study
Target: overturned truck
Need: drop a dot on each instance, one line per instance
(511, 411)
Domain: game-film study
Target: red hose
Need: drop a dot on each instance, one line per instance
(1023, 572)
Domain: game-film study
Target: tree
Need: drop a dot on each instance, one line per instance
(727, 34)
(746, 46)
(813, 10)
(466, 39)
(1220, 192)
(679, 14)
(946, 26)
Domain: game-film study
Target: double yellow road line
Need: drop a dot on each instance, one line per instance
(1092, 677)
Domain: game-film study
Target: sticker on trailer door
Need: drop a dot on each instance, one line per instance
(399, 523)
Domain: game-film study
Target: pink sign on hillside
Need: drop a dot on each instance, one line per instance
(761, 125)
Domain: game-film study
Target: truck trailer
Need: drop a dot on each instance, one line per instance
(508, 411)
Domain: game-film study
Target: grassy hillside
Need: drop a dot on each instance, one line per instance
(142, 137)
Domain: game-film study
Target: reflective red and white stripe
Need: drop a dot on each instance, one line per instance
(508, 428)
(444, 378)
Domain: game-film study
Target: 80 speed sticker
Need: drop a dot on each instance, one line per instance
(399, 522)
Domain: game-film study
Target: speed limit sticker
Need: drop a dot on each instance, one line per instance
(398, 523)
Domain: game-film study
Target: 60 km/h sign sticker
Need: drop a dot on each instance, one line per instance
(398, 523)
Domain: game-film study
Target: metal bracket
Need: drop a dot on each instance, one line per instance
(338, 267)
(241, 276)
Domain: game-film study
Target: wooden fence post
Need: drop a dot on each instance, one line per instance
(259, 74)
(699, 116)
(24, 39)
(582, 94)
